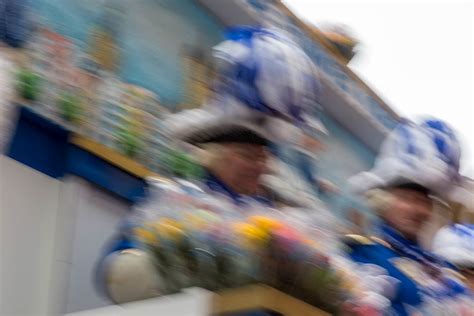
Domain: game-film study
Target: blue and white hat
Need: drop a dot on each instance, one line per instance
(265, 84)
(426, 154)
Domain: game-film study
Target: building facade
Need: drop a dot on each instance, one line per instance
(152, 49)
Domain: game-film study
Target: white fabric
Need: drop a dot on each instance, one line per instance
(284, 182)
(211, 118)
(285, 76)
(455, 247)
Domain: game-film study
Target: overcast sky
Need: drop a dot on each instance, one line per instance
(418, 56)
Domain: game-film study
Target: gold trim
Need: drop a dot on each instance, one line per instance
(454, 273)
(112, 156)
(261, 297)
(381, 241)
(360, 239)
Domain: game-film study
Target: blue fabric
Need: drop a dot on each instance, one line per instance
(443, 138)
(39, 143)
(122, 244)
(244, 82)
(240, 80)
(216, 185)
(380, 255)
(409, 293)
(409, 248)
(465, 230)
(440, 126)
(407, 139)
(307, 169)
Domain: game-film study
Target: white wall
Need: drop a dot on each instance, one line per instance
(51, 236)
(29, 205)
(98, 215)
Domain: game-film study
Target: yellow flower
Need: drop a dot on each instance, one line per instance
(171, 222)
(145, 235)
(170, 229)
(250, 234)
(265, 223)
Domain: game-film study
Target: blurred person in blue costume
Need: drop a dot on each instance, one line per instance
(417, 164)
(265, 83)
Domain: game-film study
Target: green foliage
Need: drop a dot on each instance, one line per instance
(28, 84)
(182, 165)
(129, 141)
(70, 107)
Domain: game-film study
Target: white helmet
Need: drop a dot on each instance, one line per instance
(426, 154)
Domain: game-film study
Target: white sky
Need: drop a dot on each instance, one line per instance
(417, 55)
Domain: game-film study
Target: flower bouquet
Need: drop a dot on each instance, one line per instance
(198, 240)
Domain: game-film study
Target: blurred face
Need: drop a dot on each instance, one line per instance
(409, 211)
(242, 165)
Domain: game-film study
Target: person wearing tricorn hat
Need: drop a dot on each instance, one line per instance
(264, 84)
(417, 164)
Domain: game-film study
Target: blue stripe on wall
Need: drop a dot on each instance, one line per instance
(39, 143)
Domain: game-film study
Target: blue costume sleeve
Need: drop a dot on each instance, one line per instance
(377, 254)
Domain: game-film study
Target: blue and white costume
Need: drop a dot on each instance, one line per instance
(426, 155)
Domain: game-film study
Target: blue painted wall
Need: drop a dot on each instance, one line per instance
(343, 157)
(152, 36)
(344, 154)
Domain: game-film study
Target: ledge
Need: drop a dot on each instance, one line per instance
(112, 156)
(54, 150)
(261, 297)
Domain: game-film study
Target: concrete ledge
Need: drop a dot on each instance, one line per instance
(252, 300)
